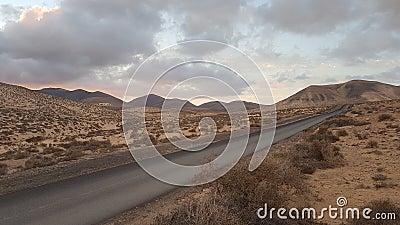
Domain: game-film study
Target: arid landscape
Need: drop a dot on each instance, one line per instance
(39, 130)
(354, 155)
(46, 138)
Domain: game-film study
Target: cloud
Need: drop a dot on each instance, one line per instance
(79, 35)
(390, 76)
(209, 19)
(292, 76)
(308, 16)
(9, 12)
(370, 44)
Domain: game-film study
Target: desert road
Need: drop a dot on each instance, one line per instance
(93, 198)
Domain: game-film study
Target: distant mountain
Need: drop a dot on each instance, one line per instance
(216, 106)
(79, 95)
(349, 92)
(153, 100)
(235, 105)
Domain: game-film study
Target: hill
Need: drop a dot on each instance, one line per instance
(38, 129)
(79, 95)
(354, 91)
(153, 100)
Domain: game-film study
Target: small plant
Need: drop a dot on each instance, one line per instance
(342, 133)
(3, 169)
(38, 161)
(372, 144)
(73, 154)
(379, 177)
(361, 136)
(384, 117)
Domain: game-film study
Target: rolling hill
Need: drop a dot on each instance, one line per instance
(79, 95)
(354, 91)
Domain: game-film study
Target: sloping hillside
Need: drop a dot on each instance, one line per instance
(349, 92)
(38, 129)
(79, 95)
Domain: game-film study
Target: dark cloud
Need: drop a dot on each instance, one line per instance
(209, 19)
(76, 38)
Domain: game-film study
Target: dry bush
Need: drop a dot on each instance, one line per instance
(39, 161)
(21, 155)
(50, 150)
(379, 177)
(372, 144)
(73, 154)
(35, 139)
(3, 169)
(361, 136)
(239, 193)
(384, 117)
(383, 206)
(205, 211)
(323, 134)
(342, 121)
(342, 133)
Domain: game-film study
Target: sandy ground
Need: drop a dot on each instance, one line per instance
(355, 180)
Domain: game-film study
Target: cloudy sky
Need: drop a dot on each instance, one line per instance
(96, 45)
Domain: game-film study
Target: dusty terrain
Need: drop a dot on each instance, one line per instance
(354, 155)
(372, 156)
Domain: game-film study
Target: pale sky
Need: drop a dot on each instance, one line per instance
(96, 45)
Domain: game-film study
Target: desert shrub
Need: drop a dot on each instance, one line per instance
(21, 155)
(382, 206)
(323, 134)
(38, 161)
(87, 145)
(372, 144)
(342, 133)
(315, 155)
(204, 211)
(35, 139)
(342, 121)
(383, 117)
(3, 169)
(379, 177)
(73, 154)
(50, 150)
(361, 136)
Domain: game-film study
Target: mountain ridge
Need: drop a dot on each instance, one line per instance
(353, 91)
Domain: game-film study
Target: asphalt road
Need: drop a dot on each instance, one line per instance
(93, 198)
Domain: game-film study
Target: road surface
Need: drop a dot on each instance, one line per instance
(93, 198)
